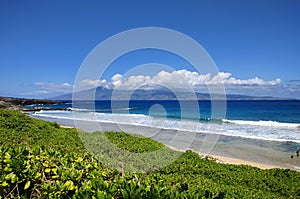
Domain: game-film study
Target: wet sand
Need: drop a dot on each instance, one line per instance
(226, 149)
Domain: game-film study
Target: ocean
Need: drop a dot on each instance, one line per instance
(261, 120)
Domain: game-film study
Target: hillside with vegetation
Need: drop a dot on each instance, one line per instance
(13, 103)
(39, 159)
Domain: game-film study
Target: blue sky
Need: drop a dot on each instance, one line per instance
(43, 43)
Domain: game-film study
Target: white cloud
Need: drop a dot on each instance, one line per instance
(47, 87)
(116, 77)
(182, 79)
(130, 83)
(253, 81)
(93, 83)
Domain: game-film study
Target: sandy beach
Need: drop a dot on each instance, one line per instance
(226, 149)
(65, 127)
(237, 161)
(227, 160)
(223, 159)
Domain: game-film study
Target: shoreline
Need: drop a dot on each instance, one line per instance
(222, 159)
(227, 150)
(228, 160)
(65, 127)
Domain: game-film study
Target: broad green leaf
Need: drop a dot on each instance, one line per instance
(4, 184)
(47, 170)
(27, 185)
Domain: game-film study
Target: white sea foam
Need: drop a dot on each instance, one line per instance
(276, 131)
(123, 109)
(79, 109)
(263, 123)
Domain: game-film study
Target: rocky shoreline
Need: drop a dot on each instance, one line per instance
(12, 103)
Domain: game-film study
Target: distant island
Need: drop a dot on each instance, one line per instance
(141, 94)
(102, 93)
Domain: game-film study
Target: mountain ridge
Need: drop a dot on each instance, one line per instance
(101, 93)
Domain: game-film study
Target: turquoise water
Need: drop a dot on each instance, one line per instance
(266, 120)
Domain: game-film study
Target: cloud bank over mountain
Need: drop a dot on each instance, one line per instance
(182, 80)
(179, 79)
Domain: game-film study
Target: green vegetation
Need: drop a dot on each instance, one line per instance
(134, 144)
(17, 128)
(128, 152)
(40, 160)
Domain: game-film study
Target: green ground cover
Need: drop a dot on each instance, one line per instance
(40, 160)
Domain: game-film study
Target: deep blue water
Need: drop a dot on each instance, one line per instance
(280, 111)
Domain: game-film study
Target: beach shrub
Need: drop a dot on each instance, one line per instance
(17, 128)
(38, 160)
(133, 143)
